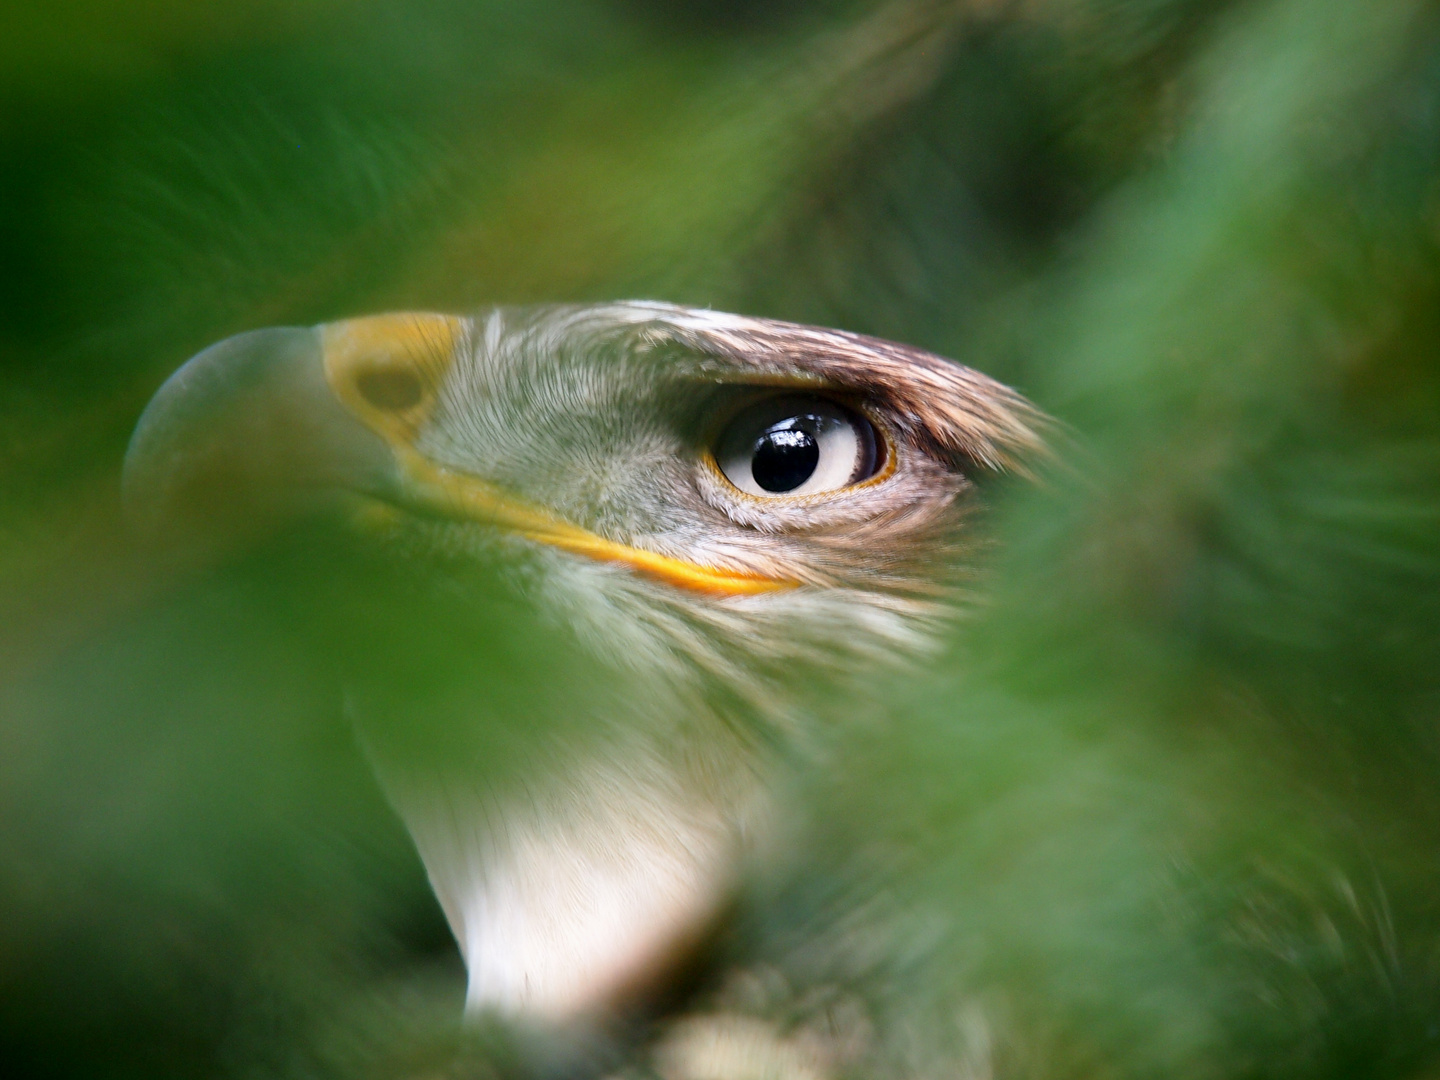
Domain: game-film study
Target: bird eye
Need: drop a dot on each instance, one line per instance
(797, 445)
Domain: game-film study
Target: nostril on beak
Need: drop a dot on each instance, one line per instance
(388, 369)
(390, 389)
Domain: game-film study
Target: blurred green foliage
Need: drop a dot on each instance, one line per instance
(1168, 806)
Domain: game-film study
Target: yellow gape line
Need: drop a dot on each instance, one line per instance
(387, 369)
(458, 495)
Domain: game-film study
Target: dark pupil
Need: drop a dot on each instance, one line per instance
(784, 459)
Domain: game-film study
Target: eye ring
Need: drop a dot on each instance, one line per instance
(798, 447)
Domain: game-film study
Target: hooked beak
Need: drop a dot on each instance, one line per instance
(275, 424)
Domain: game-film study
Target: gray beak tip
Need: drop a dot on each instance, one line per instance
(169, 444)
(245, 433)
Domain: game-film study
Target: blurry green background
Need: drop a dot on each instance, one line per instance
(1175, 786)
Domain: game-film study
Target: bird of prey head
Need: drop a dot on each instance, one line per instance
(715, 509)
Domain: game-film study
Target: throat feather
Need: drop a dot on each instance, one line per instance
(579, 899)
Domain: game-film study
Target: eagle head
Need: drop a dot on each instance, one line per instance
(708, 515)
